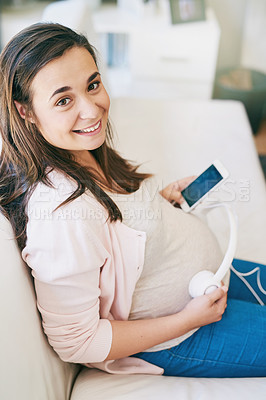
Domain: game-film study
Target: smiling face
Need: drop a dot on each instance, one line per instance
(70, 103)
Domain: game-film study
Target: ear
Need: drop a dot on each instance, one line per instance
(23, 112)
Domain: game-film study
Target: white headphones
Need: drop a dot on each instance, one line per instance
(205, 282)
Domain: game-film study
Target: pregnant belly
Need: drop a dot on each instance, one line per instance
(183, 248)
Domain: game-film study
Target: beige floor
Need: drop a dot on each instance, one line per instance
(260, 139)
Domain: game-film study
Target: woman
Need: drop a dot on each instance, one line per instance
(110, 255)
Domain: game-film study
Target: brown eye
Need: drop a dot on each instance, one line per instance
(63, 102)
(93, 86)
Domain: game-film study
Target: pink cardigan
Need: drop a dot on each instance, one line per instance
(85, 270)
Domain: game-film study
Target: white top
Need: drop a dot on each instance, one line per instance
(178, 246)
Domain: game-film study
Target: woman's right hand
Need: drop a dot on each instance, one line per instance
(206, 309)
(131, 337)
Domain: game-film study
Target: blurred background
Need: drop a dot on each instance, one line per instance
(180, 49)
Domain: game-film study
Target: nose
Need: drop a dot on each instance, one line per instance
(88, 108)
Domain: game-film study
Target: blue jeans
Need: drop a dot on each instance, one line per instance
(232, 347)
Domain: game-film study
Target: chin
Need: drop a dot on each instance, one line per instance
(99, 143)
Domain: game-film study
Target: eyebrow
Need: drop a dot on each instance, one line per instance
(67, 88)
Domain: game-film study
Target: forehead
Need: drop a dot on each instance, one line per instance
(73, 67)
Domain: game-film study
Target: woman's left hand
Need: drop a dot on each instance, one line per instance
(172, 192)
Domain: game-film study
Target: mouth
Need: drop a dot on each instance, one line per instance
(91, 130)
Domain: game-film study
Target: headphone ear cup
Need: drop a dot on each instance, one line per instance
(202, 283)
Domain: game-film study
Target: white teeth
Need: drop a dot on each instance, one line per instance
(91, 129)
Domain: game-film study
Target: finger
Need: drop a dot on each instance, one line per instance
(222, 302)
(184, 182)
(176, 197)
(218, 293)
(172, 193)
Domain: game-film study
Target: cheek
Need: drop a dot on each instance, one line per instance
(44, 125)
(48, 121)
(48, 127)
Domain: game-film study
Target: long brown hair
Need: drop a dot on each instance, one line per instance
(26, 157)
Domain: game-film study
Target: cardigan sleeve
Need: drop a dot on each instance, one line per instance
(65, 250)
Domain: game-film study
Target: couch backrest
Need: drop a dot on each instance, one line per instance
(30, 369)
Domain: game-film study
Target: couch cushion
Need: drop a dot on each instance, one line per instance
(30, 370)
(98, 385)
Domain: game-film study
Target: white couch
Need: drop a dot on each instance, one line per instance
(176, 139)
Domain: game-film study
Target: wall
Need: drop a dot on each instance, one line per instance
(254, 36)
(231, 18)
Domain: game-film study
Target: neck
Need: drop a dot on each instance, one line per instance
(86, 159)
